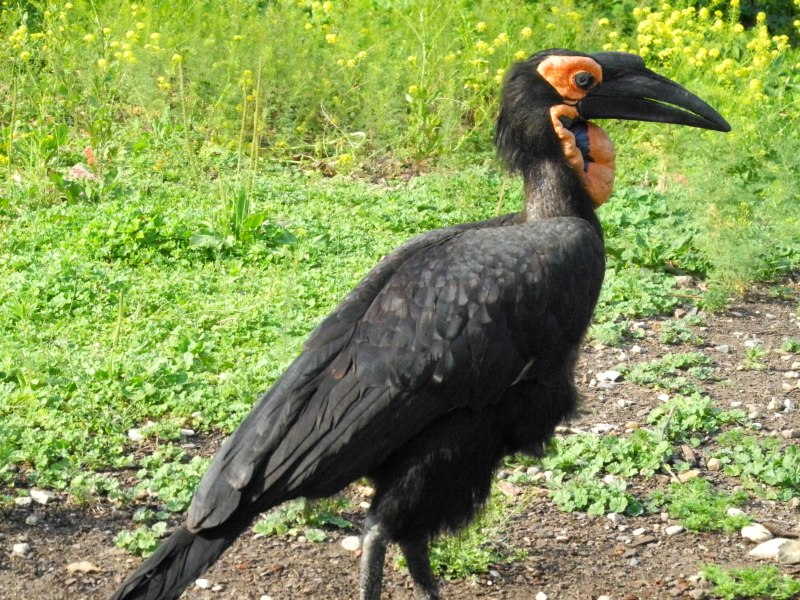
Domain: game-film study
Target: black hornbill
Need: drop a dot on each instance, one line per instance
(456, 350)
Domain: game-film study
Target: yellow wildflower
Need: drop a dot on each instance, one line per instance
(526, 33)
(155, 36)
(411, 59)
(603, 22)
(102, 64)
(331, 38)
(89, 38)
(520, 55)
(481, 26)
(176, 58)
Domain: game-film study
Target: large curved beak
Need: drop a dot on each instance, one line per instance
(632, 91)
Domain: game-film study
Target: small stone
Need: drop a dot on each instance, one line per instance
(135, 434)
(365, 505)
(794, 503)
(789, 553)
(351, 543)
(23, 501)
(698, 594)
(753, 343)
(791, 375)
(634, 562)
(22, 549)
(714, 464)
(754, 415)
(31, 520)
(775, 404)
(609, 376)
(493, 573)
(265, 597)
(509, 489)
(602, 428)
(674, 530)
(724, 348)
(605, 597)
(736, 404)
(769, 549)
(756, 532)
(734, 512)
(688, 475)
(186, 432)
(42, 496)
(541, 596)
(203, 584)
(615, 518)
(217, 588)
(632, 425)
(663, 397)
(796, 366)
(639, 532)
(636, 349)
(83, 566)
(791, 434)
(789, 405)
(683, 280)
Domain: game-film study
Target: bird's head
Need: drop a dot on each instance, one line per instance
(548, 100)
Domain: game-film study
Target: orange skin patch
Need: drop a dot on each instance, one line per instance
(560, 72)
(598, 176)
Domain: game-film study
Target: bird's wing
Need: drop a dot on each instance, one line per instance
(453, 318)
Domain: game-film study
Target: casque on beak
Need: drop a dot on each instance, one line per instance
(632, 91)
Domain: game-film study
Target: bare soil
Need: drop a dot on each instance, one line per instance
(566, 555)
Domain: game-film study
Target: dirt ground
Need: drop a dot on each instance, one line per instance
(567, 556)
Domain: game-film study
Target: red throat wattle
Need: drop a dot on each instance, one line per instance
(587, 149)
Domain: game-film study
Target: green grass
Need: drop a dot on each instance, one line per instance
(762, 582)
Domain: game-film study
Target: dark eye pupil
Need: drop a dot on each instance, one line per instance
(584, 80)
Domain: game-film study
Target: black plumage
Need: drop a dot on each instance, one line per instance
(456, 350)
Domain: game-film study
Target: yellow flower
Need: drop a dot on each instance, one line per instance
(413, 90)
(331, 38)
(362, 54)
(139, 25)
(308, 26)
(102, 64)
(526, 32)
(520, 55)
(761, 17)
(483, 48)
(106, 30)
(89, 38)
(481, 26)
(176, 58)
(351, 63)
(411, 59)
(25, 55)
(738, 28)
(238, 38)
(501, 39)
(68, 6)
(155, 35)
(550, 26)
(604, 22)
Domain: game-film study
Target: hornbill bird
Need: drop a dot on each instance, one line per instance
(456, 350)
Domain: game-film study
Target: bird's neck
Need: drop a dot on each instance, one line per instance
(552, 190)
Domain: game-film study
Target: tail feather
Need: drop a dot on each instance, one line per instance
(181, 559)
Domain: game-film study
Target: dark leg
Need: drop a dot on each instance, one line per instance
(419, 566)
(373, 551)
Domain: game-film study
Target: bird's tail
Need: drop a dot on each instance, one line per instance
(181, 559)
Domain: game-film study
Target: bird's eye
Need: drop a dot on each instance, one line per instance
(583, 79)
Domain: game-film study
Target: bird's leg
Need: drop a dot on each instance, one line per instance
(373, 551)
(419, 566)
